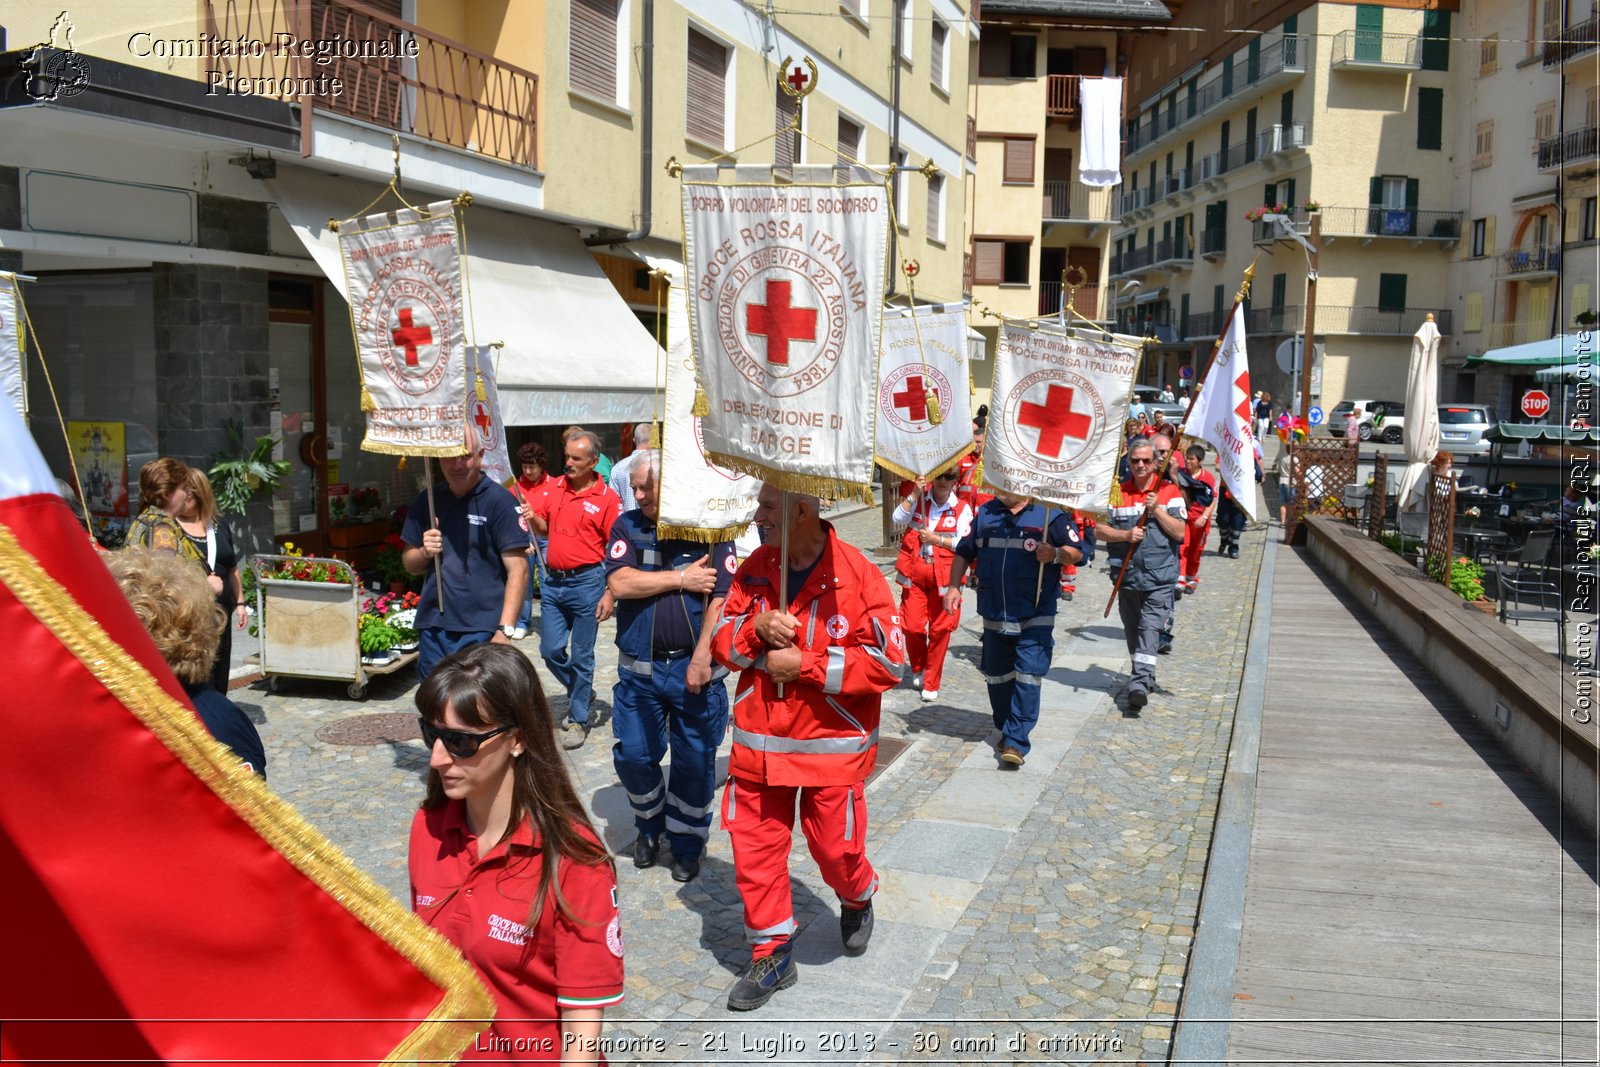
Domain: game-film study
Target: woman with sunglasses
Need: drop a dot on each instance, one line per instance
(506, 866)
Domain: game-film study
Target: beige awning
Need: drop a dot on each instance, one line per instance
(574, 351)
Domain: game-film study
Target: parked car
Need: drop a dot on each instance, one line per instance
(1383, 419)
(1155, 410)
(1463, 426)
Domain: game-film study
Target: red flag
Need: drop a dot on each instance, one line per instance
(162, 903)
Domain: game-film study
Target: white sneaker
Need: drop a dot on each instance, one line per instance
(916, 680)
(930, 695)
(519, 633)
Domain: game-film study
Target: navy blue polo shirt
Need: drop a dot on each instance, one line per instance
(1002, 545)
(666, 622)
(477, 528)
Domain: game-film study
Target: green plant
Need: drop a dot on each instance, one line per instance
(235, 481)
(337, 507)
(1466, 577)
(376, 634)
(1586, 318)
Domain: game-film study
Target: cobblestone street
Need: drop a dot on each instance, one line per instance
(1040, 916)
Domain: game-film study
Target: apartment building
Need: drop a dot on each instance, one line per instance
(1030, 217)
(1341, 117)
(1526, 268)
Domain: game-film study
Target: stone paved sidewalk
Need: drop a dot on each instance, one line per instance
(1043, 915)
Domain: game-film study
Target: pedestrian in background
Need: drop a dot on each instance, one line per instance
(934, 520)
(210, 537)
(621, 479)
(163, 484)
(1202, 505)
(532, 488)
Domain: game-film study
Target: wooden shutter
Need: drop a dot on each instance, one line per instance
(707, 103)
(941, 34)
(1488, 235)
(849, 149)
(994, 54)
(1391, 292)
(1436, 40)
(1019, 160)
(592, 48)
(935, 202)
(1473, 313)
(988, 261)
(785, 149)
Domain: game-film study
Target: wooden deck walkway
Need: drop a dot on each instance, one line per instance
(1408, 896)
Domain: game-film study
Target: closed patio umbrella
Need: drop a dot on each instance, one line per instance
(1422, 417)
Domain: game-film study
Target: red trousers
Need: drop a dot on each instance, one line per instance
(1193, 546)
(760, 819)
(927, 625)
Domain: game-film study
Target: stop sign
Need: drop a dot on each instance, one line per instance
(1535, 403)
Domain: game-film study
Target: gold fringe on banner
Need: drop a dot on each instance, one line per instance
(790, 482)
(698, 534)
(444, 1034)
(896, 469)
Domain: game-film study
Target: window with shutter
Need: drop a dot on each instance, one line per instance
(1472, 311)
(786, 145)
(1019, 160)
(994, 54)
(849, 150)
(988, 261)
(1480, 236)
(939, 59)
(706, 115)
(936, 208)
(1430, 119)
(1391, 292)
(592, 48)
(1483, 151)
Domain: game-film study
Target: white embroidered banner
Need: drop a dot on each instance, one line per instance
(924, 358)
(1056, 413)
(1221, 414)
(786, 297)
(483, 411)
(13, 375)
(403, 274)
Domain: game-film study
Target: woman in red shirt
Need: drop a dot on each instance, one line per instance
(506, 866)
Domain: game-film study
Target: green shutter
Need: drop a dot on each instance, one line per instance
(1375, 192)
(1252, 69)
(1430, 118)
(1280, 287)
(1413, 186)
(1369, 33)
(1291, 25)
(1227, 76)
(1216, 307)
(1436, 40)
(1288, 193)
(1286, 110)
(1391, 292)
(1270, 197)
(1183, 316)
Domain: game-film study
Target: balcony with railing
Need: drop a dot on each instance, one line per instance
(1213, 242)
(1374, 221)
(1529, 263)
(1502, 334)
(1283, 59)
(1575, 146)
(1085, 302)
(1131, 202)
(1345, 319)
(1133, 261)
(1575, 41)
(1061, 100)
(1276, 140)
(446, 92)
(1069, 200)
(1266, 231)
(1367, 50)
(1173, 253)
(1203, 324)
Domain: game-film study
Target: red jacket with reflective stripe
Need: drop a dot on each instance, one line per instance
(824, 729)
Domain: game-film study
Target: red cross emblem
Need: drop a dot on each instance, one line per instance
(1055, 420)
(780, 322)
(798, 79)
(411, 337)
(482, 418)
(1243, 410)
(914, 398)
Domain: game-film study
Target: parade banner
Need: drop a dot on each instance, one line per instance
(483, 404)
(1221, 414)
(698, 500)
(924, 358)
(1056, 413)
(13, 371)
(786, 300)
(403, 276)
(99, 451)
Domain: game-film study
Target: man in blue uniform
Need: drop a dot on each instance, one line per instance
(669, 694)
(482, 548)
(1011, 547)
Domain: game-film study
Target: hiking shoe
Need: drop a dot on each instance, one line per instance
(1233, 551)
(855, 928)
(645, 850)
(761, 979)
(573, 734)
(1137, 697)
(685, 870)
(1010, 757)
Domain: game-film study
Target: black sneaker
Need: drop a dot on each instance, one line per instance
(685, 870)
(645, 850)
(855, 928)
(761, 979)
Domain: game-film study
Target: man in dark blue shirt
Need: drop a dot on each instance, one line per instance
(481, 544)
(669, 694)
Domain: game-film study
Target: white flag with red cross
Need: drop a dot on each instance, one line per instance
(1221, 414)
(786, 299)
(924, 404)
(1056, 413)
(483, 412)
(403, 277)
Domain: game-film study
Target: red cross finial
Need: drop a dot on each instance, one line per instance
(1055, 420)
(409, 337)
(780, 322)
(914, 398)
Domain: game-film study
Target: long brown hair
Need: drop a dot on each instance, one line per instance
(492, 685)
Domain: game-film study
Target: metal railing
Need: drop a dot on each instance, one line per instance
(1574, 146)
(1066, 198)
(1204, 324)
(1213, 241)
(1502, 334)
(1086, 302)
(1575, 40)
(1134, 259)
(1281, 138)
(1374, 221)
(1396, 51)
(1343, 318)
(1265, 232)
(1061, 96)
(1289, 55)
(446, 92)
(1174, 250)
(1531, 261)
(1134, 201)
(1291, 318)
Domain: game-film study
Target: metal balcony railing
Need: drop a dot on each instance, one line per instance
(1203, 170)
(1266, 232)
(1071, 199)
(1085, 303)
(448, 93)
(1289, 55)
(1531, 261)
(1173, 251)
(1061, 97)
(1274, 320)
(1378, 221)
(1204, 324)
(1575, 146)
(1135, 200)
(1275, 139)
(1574, 41)
(1213, 242)
(1340, 318)
(1376, 51)
(1502, 334)
(1137, 259)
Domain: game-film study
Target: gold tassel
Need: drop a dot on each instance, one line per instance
(702, 403)
(477, 385)
(401, 465)
(935, 414)
(655, 435)
(366, 399)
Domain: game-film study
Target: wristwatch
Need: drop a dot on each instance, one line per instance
(507, 629)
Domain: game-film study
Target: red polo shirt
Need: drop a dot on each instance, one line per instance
(580, 524)
(482, 906)
(535, 495)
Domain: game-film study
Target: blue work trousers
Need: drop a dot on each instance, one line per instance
(568, 620)
(1014, 665)
(434, 645)
(652, 715)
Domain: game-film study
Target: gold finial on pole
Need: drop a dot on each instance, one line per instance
(796, 81)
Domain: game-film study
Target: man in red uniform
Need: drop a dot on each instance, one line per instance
(812, 672)
(935, 519)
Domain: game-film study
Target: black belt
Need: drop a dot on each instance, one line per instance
(658, 654)
(556, 572)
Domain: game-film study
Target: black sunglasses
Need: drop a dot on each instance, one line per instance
(459, 743)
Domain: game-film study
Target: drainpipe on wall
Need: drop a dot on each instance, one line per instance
(647, 70)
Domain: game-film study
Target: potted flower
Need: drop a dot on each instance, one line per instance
(338, 510)
(1466, 579)
(367, 500)
(1312, 206)
(390, 565)
(377, 638)
(1586, 318)
(1472, 515)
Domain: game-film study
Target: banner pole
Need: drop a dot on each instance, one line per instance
(1044, 538)
(783, 566)
(433, 523)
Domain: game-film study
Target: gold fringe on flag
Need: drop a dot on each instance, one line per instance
(790, 482)
(700, 535)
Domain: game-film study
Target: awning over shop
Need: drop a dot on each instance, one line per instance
(1508, 432)
(1544, 353)
(1583, 369)
(574, 351)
